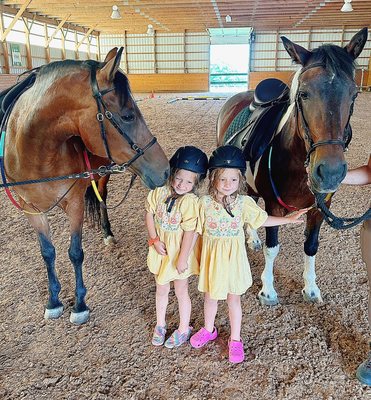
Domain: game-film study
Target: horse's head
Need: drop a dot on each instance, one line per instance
(324, 92)
(121, 134)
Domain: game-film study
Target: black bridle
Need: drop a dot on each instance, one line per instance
(347, 137)
(115, 120)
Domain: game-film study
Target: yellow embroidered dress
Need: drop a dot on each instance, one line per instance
(170, 227)
(224, 267)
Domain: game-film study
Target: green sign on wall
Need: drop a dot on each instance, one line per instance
(16, 55)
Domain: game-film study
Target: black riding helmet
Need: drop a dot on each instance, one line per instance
(227, 157)
(190, 158)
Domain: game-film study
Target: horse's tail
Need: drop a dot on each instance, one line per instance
(92, 207)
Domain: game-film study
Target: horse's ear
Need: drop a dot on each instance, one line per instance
(111, 54)
(297, 53)
(111, 67)
(356, 44)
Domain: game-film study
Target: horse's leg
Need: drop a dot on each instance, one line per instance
(253, 239)
(108, 236)
(268, 295)
(80, 311)
(311, 291)
(54, 308)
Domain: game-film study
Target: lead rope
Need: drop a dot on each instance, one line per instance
(338, 222)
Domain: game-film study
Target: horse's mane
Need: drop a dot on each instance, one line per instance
(334, 58)
(57, 69)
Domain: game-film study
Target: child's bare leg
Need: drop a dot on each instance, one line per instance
(184, 304)
(210, 309)
(235, 315)
(162, 299)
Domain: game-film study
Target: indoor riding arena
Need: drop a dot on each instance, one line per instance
(181, 61)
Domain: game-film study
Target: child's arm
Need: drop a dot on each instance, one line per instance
(150, 223)
(359, 176)
(293, 218)
(188, 241)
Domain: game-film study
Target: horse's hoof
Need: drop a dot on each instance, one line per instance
(255, 245)
(312, 297)
(79, 318)
(266, 300)
(53, 313)
(109, 240)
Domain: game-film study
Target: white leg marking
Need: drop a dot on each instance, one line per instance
(253, 239)
(311, 291)
(267, 294)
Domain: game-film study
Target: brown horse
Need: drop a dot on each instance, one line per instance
(75, 106)
(308, 146)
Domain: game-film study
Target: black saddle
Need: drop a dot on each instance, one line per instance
(271, 99)
(7, 96)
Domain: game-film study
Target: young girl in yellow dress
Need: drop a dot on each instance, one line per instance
(171, 220)
(224, 267)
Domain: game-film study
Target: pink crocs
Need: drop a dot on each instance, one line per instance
(236, 352)
(202, 337)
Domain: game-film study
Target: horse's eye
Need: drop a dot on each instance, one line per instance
(128, 117)
(304, 95)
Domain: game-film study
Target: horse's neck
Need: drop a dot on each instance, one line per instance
(291, 143)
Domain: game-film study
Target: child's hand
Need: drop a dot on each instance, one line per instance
(160, 248)
(294, 217)
(181, 266)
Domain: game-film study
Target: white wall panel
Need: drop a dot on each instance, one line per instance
(161, 53)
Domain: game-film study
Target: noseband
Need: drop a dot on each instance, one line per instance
(103, 113)
(307, 136)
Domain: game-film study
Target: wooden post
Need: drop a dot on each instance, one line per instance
(28, 46)
(126, 53)
(154, 53)
(4, 46)
(276, 52)
(47, 48)
(184, 51)
(76, 49)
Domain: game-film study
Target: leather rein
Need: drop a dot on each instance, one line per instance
(312, 147)
(307, 136)
(112, 168)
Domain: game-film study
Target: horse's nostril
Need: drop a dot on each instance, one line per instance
(320, 171)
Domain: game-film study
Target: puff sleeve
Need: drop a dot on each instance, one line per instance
(253, 215)
(189, 212)
(151, 201)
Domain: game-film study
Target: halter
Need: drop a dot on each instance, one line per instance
(103, 113)
(101, 171)
(307, 136)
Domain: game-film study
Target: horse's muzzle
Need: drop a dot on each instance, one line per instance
(326, 177)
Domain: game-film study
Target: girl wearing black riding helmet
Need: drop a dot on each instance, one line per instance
(171, 220)
(224, 267)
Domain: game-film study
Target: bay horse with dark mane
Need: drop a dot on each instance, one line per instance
(306, 154)
(76, 116)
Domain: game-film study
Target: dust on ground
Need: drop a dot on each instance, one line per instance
(299, 350)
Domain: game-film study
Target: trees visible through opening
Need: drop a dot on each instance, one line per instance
(229, 66)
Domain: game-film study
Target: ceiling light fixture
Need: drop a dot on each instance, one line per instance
(228, 18)
(150, 30)
(115, 13)
(347, 6)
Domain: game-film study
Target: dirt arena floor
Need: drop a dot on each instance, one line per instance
(298, 350)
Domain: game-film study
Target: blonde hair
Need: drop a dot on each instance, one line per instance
(196, 185)
(214, 175)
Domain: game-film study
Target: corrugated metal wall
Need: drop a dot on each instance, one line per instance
(161, 53)
(38, 45)
(269, 54)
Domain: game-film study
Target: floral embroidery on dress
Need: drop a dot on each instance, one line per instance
(223, 225)
(167, 221)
